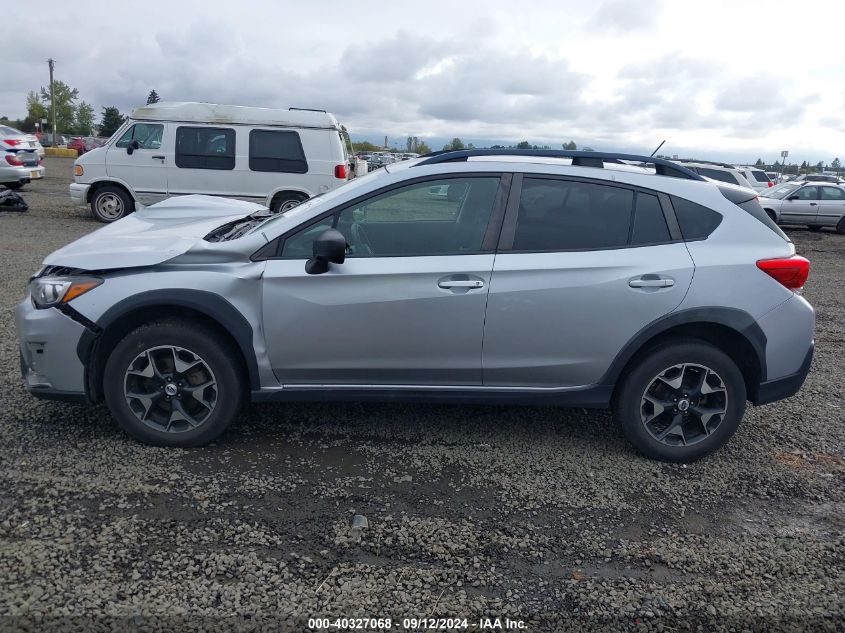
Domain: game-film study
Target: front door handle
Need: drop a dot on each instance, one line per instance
(159, 157)
(460, 283)
(651, 281)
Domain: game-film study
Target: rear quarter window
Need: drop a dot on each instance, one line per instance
(276, 151)
(696, 222)
(760, 176)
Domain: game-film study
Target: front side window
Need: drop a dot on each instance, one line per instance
(441, 217)
(833, 193)
(148, 136)
(277, 151)
(807, 193)
(556, 215)
(205, 147)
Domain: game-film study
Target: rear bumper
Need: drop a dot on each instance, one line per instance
(79, 193)
(780, 388)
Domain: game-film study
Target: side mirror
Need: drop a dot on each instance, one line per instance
(792, 198)
(133, 145)
(329, 247)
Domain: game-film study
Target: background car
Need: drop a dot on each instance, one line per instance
(46, 140)
(758, 179)
(15, 140)
(819, 178)
(722, 172)
(77, 143)
(19, 168)
(812, 204)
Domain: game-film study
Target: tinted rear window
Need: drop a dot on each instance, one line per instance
(696, 222)
(202, 147)
(759, 176)
(649, 222)
(276, 150)
(716, 174)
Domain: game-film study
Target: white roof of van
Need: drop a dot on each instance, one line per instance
(215, 113)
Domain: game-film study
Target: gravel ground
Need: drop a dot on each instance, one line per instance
(540, 515)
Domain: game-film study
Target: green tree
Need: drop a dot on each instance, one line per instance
(35, 107)
(759, 163)
(836, 165)
(65, 98)
(455, 144)
(152, 97)
(112, 119)
(570, 145)
(820, 166)
(84, 123)
(523, 145)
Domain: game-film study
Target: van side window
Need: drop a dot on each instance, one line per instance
(148, 136)
(276, 150)
(205, 147)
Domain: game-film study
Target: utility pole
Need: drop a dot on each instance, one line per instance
(51, 64)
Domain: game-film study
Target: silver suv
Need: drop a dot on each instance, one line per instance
(567, 278)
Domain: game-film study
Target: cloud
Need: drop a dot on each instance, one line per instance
(625, 16)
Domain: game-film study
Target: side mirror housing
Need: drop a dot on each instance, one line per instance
(329, 247)
(792, 198)
(133, 145)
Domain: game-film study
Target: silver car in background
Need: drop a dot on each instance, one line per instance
(564, 278)
(809, 203)
(13, 140)
(19, 168)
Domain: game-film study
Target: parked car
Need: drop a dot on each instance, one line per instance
(722, 172)
(77, 143)
(19, 168)
(14, 141)
(813, 204)
(46, 140)
(275, 157)
(818, 178)
(670, 298)
(758, 179)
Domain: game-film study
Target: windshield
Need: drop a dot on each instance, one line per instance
(779, 192)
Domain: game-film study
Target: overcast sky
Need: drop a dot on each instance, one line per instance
(734, 80)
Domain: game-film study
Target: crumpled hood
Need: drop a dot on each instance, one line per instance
(152, 235)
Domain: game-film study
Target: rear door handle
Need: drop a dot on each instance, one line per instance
(159, 157)
(812, 204)
(460, 283)
(651, 281)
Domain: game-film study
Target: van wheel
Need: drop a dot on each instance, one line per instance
(682, 401)
(284, 202)
(173, 383)
(110, 203)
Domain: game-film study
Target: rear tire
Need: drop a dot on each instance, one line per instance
(174, 383)
(840, 228)
(14, 185)
(110, 203)
(663, 413)
(815, 228)
(284, 202)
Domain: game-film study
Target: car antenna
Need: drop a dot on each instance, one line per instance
(658, 147)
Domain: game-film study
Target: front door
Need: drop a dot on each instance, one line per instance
(801, 206)
(582, 268)
(145, 169)
(406, 307)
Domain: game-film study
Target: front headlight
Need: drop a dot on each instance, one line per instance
(48, 292)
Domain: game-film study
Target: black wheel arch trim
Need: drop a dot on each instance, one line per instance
(208, 303)
(737, 320)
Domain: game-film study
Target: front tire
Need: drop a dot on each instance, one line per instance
(681, 401)
(173, 383)
(111, 203)
(284, 202)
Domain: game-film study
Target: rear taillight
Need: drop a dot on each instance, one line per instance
(12, 141)
(40, 161)
(771, 184)
(791, 272)
(340, 171)
(14, 161)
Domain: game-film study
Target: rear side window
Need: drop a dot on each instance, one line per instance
(205, 147)
(649, 222)
(716, 174)
(566, 215)
(833, 193)
(696, 222)
(276, 150)
(760, 176)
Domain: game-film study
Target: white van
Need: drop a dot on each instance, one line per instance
(275, 157)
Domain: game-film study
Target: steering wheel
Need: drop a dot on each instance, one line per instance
(361, 239)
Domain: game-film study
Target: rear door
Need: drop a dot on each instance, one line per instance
(582, 267)
(204, 161)
(406, 307)
(801, 206)
(831, 207)
(145, 169)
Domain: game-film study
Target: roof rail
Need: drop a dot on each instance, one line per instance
(307, 109)
(706, 162)
(579, 159)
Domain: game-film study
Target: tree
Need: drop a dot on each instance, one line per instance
(65, 96)
(836, 165)
(34, 107)
(523, 145)
(422, 148)
(111, 121)
(84, 123)
(759, 163)
(820, 166)
(152, 97)
(570, 145)
(456, 144)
